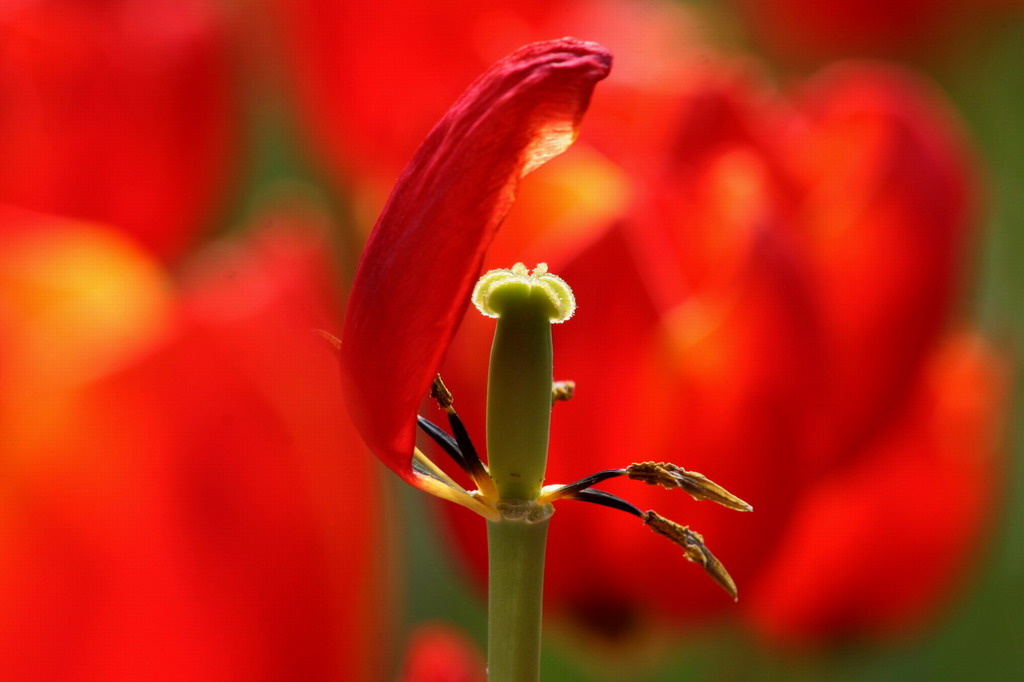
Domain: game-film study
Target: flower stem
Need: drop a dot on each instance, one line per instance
(515, 588)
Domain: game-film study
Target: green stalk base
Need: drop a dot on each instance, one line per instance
(515, 591)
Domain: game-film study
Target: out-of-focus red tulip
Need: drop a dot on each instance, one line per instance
(182, 496)
(877, 545)
(372, 78)
(885, 219)
(359, 71)
(121, 111)
(433, 233)
(440, 653)
(770, 315)
(764, 312)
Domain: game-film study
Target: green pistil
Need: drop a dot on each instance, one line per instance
(520, 381)
(519, 398)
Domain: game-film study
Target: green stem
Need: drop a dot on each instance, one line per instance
(515, 588)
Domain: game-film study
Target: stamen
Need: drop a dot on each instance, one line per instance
(605, 500)
(469, 460)
(552, 493)
(438, 488)
(691, 541)
(433, 480)
(422, 465)
(473, 462)
(443, 440)
(668, 476)
(693, 544)
(562, 391)
(698, 486)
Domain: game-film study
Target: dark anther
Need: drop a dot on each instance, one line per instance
(468, 458)
(606, 500)
(440, 393)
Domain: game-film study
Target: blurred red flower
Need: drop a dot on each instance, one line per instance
(878, 545)
(182, 497)
(371, 79)
(122, 112)
(770, 305)
(774, 312)
(440, 653)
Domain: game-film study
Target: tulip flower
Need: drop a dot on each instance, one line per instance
(180, 498)
(919, 495)
(777, 318)
(119, 112)
(437, 224)
(440, 653)
(365, 116)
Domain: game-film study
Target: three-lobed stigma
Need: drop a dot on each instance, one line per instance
(492, 289)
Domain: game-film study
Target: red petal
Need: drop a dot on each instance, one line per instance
(120, 112)
(175, 506)
(425, 252)
(886, 214)
(874, 548)
(365, 133)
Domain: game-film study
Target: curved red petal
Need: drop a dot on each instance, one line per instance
(887, 211)
(874, 547)
(426, 249)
